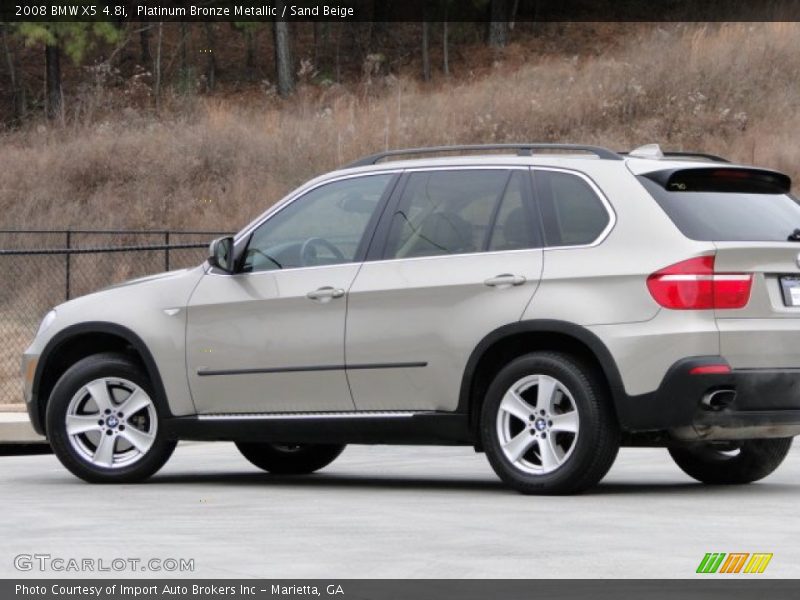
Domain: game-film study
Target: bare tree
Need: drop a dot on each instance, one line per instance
(426, 58)
(211, 60)
(498, 24)
(284, 66)
(16, 95)
(146, 57)
(157, 69)
(52, 53)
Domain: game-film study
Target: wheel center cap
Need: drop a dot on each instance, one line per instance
(540, 424)
(112, 421)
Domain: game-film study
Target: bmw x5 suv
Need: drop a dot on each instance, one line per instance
(545, 304)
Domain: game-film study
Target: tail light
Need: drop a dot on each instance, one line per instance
(693, 285)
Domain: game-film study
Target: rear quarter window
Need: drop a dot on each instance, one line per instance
(728, 216)
(572, 213)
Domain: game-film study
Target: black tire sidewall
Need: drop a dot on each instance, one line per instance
(757, 459)
(597, 428)
(85, 370)
(307, 459)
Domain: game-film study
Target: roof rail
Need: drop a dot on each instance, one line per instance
(519, 149)
(686, 155)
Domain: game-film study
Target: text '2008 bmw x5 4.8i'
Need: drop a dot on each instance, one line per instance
(543, 303)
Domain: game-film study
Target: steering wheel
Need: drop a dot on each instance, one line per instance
(307, 256)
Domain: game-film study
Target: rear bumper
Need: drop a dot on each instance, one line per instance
(741, 404)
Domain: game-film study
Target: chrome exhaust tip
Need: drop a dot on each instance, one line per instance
(718, 399)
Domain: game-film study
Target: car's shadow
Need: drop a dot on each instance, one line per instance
(397, 482)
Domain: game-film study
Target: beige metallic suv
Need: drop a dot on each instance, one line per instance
(542, 303)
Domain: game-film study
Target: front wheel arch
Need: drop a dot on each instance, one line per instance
(77, 342)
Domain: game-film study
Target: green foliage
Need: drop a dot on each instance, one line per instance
(75, 39)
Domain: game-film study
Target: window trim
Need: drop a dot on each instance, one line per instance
(379, 246)
(242, 239)
(612, 215)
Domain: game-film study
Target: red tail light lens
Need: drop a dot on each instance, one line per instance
(693, 285)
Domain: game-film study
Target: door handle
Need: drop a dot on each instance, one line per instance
(505, 280)
(325, 294)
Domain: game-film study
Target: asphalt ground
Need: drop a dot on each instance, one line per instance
(393, 512)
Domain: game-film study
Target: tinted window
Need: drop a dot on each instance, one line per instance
(728, 216)
(513, 228)
(323, 227)
(445, 212)
(572, 213)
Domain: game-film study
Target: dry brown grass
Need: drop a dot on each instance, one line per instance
(730, 89)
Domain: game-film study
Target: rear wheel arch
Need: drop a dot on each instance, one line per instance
(85, 339)
(506, 343)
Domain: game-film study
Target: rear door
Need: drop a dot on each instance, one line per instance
(751, 219)
(458, 254)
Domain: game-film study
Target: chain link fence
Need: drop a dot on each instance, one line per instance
(43, 268)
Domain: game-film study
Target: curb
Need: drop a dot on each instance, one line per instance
(15, 428)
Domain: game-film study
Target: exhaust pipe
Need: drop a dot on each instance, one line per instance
(718, 399)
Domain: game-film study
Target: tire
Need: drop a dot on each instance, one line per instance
(107, 398)
(290, 459)
(731, 463)
(512, 425)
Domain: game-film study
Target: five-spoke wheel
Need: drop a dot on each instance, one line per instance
(537, 424)
(547, 425)
(103, 422)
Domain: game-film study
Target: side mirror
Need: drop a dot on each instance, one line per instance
(220, 254)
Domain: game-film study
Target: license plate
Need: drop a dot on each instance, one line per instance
(791, 290)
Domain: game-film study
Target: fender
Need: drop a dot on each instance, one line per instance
(544, 326)
(94, 327)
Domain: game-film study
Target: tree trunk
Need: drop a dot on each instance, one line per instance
(211, 60)
(445, 46)
(321, 35)
(426, 58)
(52, 54)
(498, 24)
(284, 67)
(250, 52)
(183, 50)
(157, 69)
(144, 42)
(16, 99)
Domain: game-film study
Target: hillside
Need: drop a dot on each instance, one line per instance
(215, 161)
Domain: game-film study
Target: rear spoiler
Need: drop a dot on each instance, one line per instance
(741, 180)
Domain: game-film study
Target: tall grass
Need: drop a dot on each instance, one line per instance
(730, 89)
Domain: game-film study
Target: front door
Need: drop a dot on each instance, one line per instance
(271, 337)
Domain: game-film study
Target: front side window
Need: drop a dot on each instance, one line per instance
(445, 212)
(572, 213)
(323, 227)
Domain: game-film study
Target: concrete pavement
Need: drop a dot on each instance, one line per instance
(395, 512)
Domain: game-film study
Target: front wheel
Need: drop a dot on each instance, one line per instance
(290, 459)
(730, 463)
(547, 426)
(103, 423)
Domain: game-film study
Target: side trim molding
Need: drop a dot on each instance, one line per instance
(407, 365)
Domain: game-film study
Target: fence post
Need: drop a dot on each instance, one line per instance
(166, 251)
(68, 246)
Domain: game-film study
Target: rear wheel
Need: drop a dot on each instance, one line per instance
(290, 459)
(547, 427)
(103, 423)
(725, 463)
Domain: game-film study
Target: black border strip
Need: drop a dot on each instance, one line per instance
(406, 365)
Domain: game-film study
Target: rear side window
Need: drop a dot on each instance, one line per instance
(728, 215)
(572, 213)
(513, 227)
(445, 212)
